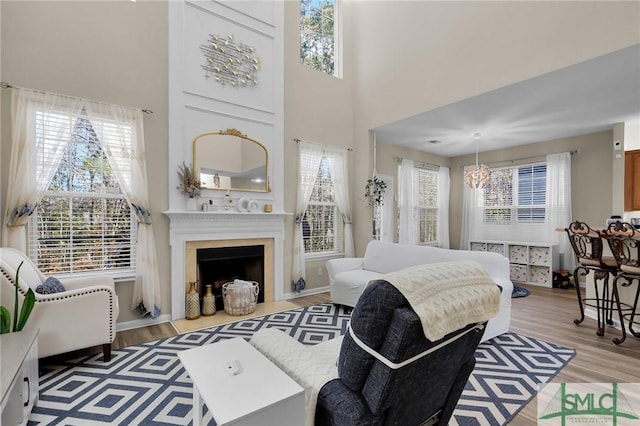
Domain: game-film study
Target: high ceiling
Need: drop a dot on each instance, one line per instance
(584, 98)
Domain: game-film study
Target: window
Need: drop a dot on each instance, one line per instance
(423, 204)
(83, 222)
(516, 193)
(318, 35)
(425, 184)
(319, 226)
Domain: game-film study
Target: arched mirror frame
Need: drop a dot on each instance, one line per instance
(236, 133)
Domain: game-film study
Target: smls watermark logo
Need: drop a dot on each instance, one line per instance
(610, 404)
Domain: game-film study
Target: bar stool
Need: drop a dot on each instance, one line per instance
(624, 242)
(587, 247)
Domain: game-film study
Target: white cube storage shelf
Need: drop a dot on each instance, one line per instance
(531, 263)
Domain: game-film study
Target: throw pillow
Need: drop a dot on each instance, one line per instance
(50, 286)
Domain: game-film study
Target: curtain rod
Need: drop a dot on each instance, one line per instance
(296, 140)
(4, 85)
(422, 163)
(536, 157)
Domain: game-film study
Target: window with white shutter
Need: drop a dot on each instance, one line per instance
(425, 186)
(516, 195)
(320, 230)
(83, 222)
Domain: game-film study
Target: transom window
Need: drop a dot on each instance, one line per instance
(318, 30)
(319, 226)
(83, 222)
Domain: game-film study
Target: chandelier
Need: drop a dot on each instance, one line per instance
(476, 177)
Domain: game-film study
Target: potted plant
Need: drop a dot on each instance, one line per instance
(374, 193)
(19, 319)
(189, 184)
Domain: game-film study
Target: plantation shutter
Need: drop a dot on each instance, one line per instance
(425, 188)
(532, 181)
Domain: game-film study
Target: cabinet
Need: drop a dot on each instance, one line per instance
(632, 180)
(18, 376)
(530, 263)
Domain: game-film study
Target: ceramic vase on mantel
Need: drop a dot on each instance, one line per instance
(192, 204)
(192, 308)
(208, 301)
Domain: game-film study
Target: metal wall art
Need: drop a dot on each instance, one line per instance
(230, 62)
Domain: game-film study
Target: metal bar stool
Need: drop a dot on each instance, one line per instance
(587, 247)
(624, 243)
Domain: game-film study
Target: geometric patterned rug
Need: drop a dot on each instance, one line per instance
(146, 384)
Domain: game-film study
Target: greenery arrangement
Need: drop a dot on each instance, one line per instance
(374, 191)
(189, 183)
(20, 320)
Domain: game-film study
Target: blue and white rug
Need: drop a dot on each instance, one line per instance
(146, 384)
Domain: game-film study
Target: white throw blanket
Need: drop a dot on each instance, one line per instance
(448, 296)
(310, 365)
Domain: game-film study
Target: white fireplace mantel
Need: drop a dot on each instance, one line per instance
(211, 226)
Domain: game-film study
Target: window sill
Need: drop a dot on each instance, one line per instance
(118, 277)
(315, 257)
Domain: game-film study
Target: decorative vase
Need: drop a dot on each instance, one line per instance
(191, 204)
(192, 310)
(208, 302)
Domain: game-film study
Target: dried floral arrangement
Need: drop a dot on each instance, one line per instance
(189, 182)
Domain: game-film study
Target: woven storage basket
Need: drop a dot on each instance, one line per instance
(240, 301)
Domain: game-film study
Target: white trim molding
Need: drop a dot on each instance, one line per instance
(214, 226)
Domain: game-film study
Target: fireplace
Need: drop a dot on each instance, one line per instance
(219, 265)
(193, 231)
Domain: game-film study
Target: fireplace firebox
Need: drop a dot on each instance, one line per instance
(219, 265)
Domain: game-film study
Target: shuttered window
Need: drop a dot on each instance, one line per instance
(425, 187)
(532, 191)
(83, 222)
(516, 194)
(320, 230)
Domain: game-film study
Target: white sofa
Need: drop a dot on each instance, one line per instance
(349, 276)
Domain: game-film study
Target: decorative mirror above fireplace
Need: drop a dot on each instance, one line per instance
(229, 159)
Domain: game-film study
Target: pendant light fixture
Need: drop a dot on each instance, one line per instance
(476, 177)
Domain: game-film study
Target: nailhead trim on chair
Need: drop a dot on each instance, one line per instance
(111, 334)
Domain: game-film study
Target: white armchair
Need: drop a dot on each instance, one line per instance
(81, 316)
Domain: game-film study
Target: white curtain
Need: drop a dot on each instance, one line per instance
(120, 131)
(471, 210)
(406, 204)
(558, 214)
(309, 156)
(339, 169)
(444, 183)
(28, 177)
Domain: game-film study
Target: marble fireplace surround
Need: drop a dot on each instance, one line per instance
(189, 231)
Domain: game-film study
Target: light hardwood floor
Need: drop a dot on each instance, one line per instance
(547, 314)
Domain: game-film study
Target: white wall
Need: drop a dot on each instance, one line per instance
(198, 104)
(110, 51)
(411, 57)
(401, 58)
(318, 108)
(632, 135)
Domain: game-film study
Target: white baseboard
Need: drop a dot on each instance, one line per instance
(303, 293)
(591, 313)
(143, 322)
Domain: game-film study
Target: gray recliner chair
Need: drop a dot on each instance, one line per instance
(381, 385)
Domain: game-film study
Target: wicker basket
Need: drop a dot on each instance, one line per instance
(240, 301)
